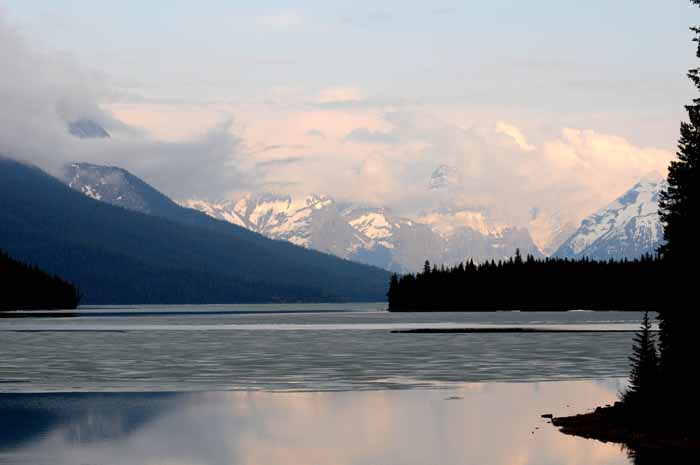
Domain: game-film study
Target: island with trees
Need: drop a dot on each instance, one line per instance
(26, 287)
(530, 284)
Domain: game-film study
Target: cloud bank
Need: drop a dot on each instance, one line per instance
(337, 141)
(41, 93)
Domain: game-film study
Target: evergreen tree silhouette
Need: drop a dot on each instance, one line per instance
(679, 209)
(645, 368)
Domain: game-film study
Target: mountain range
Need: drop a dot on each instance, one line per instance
(372, 235)
(147, 249)
(628, 227)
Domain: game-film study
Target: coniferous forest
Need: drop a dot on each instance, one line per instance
(659, 410)
(530, 284)
(26, 287)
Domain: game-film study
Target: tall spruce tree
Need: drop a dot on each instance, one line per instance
(644, 375)
(680, 211)
(680, 203)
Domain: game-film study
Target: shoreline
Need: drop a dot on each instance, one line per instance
(611, 424)
(506, 330)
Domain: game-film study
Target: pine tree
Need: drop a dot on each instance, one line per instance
(518, 257)
(680, 212)
(680, 203)
(644, 375)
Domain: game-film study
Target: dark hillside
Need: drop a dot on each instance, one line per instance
(117, 256)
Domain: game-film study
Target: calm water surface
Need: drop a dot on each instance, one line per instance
(304, 384)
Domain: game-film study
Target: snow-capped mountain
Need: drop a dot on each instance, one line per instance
(370, 234)
(109, 184)
(312, 222)
(399, 244)
(628, 227)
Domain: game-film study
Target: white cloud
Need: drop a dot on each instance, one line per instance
(196, 150)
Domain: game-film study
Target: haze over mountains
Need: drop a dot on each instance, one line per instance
(628, 227)
(153, 250)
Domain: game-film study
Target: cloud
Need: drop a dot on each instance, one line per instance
(515, 134)
(302, 145)
(42, 92)
(364, 135)
(281, 20)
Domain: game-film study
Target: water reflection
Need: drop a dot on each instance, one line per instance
(490, 423)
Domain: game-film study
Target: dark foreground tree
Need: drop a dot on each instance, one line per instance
(644, 375)
(680, 212)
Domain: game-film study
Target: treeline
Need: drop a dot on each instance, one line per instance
(26, 287)
(530, 284)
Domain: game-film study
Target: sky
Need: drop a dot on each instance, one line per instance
(556, 105)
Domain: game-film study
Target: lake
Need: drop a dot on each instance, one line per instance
(311, 384)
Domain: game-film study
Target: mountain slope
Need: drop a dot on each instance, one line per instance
(118, 187)
(627, 228)
(117, 256)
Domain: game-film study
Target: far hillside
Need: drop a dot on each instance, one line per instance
(26, 287)
(171, 255)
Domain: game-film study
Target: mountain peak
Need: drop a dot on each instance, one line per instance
(113, 185)
(628, 227)
(85, 128)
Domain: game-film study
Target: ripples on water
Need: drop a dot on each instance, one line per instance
(299, 348)
(354, 398)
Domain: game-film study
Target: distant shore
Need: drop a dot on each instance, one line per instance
(505, 330)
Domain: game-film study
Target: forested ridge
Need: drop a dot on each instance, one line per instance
(116, 256)
(26, 287)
